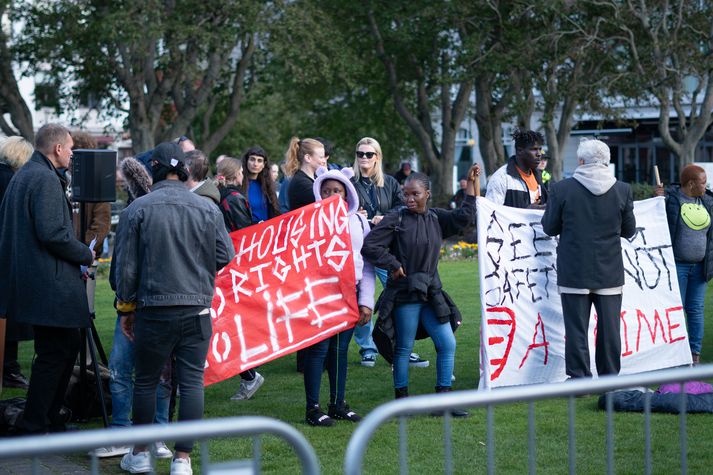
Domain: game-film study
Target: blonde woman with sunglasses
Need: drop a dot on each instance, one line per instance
(378, 194)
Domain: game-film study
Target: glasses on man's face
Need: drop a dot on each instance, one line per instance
(365, 154)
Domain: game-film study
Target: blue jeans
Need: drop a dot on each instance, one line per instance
(692, 284)
(406, 319)
(362, 335)
(121, 384)
(334, 350)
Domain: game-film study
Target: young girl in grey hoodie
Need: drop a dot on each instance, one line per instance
(334, 350)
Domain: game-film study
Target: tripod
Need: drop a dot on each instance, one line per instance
(90, 340)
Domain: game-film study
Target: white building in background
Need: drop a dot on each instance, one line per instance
(635, 143)
(107, 129)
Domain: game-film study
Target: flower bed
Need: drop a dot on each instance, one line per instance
(459, 250)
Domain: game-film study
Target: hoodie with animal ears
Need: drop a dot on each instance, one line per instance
(358, 229)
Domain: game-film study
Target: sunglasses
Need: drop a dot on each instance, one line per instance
(365, 154)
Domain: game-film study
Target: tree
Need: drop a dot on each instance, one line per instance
(576, 68)
(331, 86)
(11, 101)
(423, 49)
(413, 51)
(503, 59)
(667, 48)
(168, 61)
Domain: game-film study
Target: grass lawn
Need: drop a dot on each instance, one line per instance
(282, 397)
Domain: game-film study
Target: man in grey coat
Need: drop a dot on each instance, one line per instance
(590, 212)
(41, 281)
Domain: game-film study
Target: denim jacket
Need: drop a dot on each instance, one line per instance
(170, 244)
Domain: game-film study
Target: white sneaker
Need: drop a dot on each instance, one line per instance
(181, 466)
(368, 360)
(139, 463)
(111, 451)
(248, 388)
(161, 451)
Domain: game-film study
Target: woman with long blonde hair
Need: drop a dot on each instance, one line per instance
(378, 194)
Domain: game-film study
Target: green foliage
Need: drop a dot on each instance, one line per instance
(235, 73)
(642, 191)
(164, 60)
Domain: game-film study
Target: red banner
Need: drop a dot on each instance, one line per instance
(290, 285)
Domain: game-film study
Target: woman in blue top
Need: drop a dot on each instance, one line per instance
(259, 187)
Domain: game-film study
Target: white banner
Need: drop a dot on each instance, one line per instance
(522, 332)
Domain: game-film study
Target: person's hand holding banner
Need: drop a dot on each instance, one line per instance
(364, 315)
(290, 285)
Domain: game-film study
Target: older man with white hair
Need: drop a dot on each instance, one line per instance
(590, 212)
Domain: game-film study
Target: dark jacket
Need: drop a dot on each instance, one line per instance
(14, 331)
(235, 209)
(388, 197)
(284, 198)
(170, 244)
(673, 215)
(6, 173)
(590, 229)
(506, 187)
(413, 241)
(40, 279)
(299, 191)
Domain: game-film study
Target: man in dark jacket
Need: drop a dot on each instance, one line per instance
(170, 244)
(518, 183)
(41, 281)
(590, 212)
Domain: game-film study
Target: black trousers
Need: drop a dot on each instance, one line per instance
(56, 352)
(156, 339)
(10, 364)
(576, 309)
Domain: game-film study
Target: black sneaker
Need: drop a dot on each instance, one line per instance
(415, 361)
(342, 412)
(315, 417)
(15, 380)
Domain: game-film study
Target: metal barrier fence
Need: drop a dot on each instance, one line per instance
(36, 446)
(403, 408)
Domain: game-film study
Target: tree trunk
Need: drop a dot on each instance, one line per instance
(142, 137)
(11, 101)
(490, 130)
(688, 151)
(553, 148)
(442, 178)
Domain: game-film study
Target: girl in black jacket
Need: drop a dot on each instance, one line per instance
(236, 213)
(407, 243)
(233, 205)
